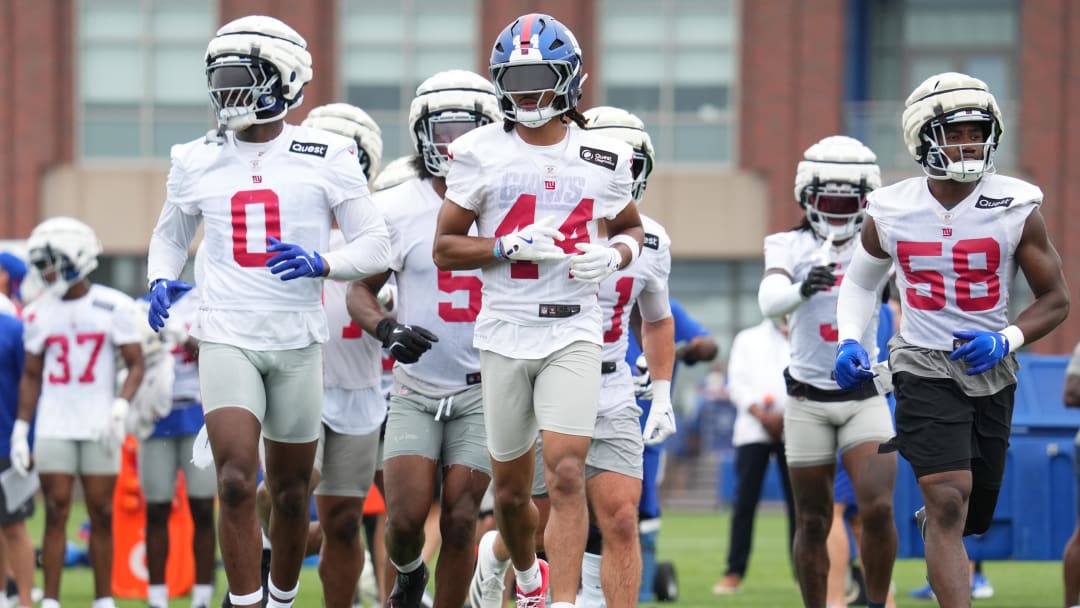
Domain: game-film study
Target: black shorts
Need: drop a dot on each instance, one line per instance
(939, 428)
(23, 512)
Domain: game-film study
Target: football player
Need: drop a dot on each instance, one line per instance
(75, 331)
(801, 270)
(955, 238)
(536, 187)
(266, 191)
(436, 418)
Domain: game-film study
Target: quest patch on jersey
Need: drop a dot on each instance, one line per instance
(986, 202)
(599, 157)
(303, 147)
(651, 241)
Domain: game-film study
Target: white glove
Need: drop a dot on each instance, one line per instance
(595, 262)
(387, 298)
(661, 421)
(642, 382)
(202, 456)
(20, 447)
(643, 388)
(114, 434)
(533, 242)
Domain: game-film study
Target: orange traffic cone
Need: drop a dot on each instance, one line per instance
(129, 576)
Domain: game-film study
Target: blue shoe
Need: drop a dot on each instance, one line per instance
(981, 589)
(922, 593)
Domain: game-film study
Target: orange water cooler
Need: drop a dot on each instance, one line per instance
(129, 574)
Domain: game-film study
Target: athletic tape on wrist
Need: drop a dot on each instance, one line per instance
(631, 244)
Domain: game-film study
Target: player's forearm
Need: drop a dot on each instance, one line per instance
(1044, 314)
(367, 242)
(859, 295)
(635, 235)
(363, 306)
(658, 344)
(29, 393)
(778, 296)
(136, 370)
(463, 252)
(168, 251)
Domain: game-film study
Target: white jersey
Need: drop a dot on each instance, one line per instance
(442, 301)
(352, 362)
(532, 309)
(953, 266)
(79, 342)
(618, 294)
(246, 193)
(182, 315)
(813, 324)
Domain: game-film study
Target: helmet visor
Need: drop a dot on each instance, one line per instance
(528, 78)
(833, 204)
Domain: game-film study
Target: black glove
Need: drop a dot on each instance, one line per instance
(820, 278)
(405, 342)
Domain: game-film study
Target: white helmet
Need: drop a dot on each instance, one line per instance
(446, 106)
(832, 182)
(261, 66)
(63, 245)
(395, 173)
(357, 125)
(623, 125)
(951, 98)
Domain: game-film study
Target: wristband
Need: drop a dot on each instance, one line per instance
(499, 252)
(631, 244)
(1015, 337)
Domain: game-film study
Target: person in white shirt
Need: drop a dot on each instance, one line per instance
(614, 466)
(266, 192)
(536, 188)
(756, 365)
(801, 268)
(436, 418)
(353, 405)
(955, 239)
(75, 332)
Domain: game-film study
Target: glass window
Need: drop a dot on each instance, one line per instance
(911, 40)
(390, 48)
(676, 60)
(141, 75)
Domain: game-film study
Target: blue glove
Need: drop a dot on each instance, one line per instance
(981, 349)
(164, 294)
(852, 365)
(293, 259)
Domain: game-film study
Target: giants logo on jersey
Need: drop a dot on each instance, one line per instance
(569, 189)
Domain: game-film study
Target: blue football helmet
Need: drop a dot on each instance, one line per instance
(535, 58)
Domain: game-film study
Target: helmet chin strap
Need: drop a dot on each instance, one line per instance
(235, 118)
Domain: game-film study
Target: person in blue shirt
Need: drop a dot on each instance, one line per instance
(19, 548)
(693, 343)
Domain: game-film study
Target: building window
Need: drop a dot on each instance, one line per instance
(391, 47)
(910, 40)
(673, 63)
(142, 82)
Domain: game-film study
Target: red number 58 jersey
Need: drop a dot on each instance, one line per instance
(953, 266)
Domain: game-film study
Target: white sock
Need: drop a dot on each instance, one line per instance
(562, 605)
(592, 595)
(265, 540)
(529, 580)
(157, 595)
(103, 602)
(409, 567)
(50, 603)
(201, 595)
(272, 603)
(281, 598)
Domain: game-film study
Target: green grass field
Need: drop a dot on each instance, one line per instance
(697, 543)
